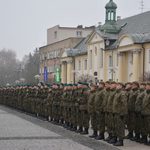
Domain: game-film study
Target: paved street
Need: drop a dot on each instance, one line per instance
(19, 131)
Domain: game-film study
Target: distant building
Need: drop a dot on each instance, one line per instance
(58, 40)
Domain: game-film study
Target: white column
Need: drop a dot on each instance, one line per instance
(136, 65)
(69, 71)
(120, 67)
(64, 72)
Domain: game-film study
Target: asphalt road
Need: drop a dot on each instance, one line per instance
(19, 131)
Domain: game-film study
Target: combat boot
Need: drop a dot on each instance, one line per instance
(62, 122)
(135, 138)
(109, 137)
(74, 128)
(113, 140)
(80, 130)
(100, 137)
(94, 134)
(119, 143)
(85, 131)
(143, 139)
(129, 136)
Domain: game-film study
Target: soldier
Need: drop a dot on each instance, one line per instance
(49, 105)
(138, 119)
(100, 115)
(110, 118)
(75, 108)
(146, 114)
(120, 111)
(83, 102)
(131, 109)
(91, 110)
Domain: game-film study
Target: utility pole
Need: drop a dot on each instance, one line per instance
(142, 6)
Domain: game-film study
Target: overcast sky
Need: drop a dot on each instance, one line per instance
(23, 23)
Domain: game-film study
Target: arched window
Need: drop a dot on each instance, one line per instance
(112, 15)
(109, 15)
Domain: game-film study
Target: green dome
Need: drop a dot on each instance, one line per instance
(111, 5)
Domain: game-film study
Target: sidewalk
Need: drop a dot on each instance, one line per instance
(19, 131)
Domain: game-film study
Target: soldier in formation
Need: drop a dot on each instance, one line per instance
(107, 107)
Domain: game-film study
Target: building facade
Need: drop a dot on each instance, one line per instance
(119, 50)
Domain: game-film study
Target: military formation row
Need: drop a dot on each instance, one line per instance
(108, 107)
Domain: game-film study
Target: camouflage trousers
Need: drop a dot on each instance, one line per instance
(94, 121)
(131, 121)
(85, 118)
(146, 129)
(119, 126)
(100, 117)
(109, 118)
(139, 123)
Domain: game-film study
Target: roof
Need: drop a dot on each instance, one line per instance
(138, 24)
(79, 49)
(137, 27)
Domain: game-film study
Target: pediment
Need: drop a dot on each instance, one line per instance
(94, 38)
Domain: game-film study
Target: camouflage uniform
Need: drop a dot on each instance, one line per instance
(120, 111)
(100, 115)
(146, 116)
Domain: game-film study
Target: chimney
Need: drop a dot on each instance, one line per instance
(118, 18)
(80, 26)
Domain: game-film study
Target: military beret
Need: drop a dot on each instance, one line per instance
(142, 83)
(108, 82)
(128, 83)
(136, 83)
(112, 82)
(101, 82)
(123, 85)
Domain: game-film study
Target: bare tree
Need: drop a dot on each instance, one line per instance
(8, 67)
(85, 78)
(31, 67)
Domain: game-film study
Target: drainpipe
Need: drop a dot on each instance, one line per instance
(143, 60)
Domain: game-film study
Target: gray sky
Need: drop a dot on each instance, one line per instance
(23, 23)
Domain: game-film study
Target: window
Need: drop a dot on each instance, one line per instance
(85, 64)
(110, 61)
(79, 65)
(109, 15)
(112, 16)
(55, 34)
(79, 33)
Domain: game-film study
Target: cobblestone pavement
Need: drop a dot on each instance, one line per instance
(19, 131)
